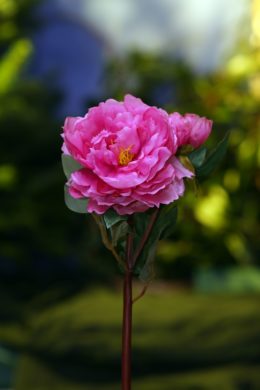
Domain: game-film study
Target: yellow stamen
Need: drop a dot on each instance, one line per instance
(125, 156)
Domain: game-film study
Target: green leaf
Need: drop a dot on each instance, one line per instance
(163, 227)
(76, 205)
(147, 272)
(111, 218)
(167, 220)
(69, 165)
(197, 157)
(119, 232)
(141, 221)
(214, 158)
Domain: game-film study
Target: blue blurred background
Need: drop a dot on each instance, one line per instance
(198, 327)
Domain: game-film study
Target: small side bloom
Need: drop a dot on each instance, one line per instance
(190, 128)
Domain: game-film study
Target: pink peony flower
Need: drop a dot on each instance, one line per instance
(128, 155)
(190, 128)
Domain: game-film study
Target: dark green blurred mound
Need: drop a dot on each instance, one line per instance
(182, 341)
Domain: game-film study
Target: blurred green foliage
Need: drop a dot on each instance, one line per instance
(42, 244)
(193, 341)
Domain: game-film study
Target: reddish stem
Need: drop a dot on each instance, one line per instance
(128, 301)
(127, 333)
(127, 318)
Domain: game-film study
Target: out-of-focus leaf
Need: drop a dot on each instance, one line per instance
(147, 272)
(141, 221)
(167, 220)
(197, 157)
(162, 228)
(76, 205)
(111, 218)
(12, 62)
(119, 232)
(213, 159)
(69, 165)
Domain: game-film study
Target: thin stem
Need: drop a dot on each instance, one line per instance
(141, 294)
(127, 317)
(127, 333)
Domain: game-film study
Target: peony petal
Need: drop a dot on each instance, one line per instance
(180, 170)
(128, 138)
(169, 194)
(134, 207)
(134, 104)
(93, 207)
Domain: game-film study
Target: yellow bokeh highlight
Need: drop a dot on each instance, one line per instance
(254, 86)
(247, 150)
(232, 180)
(7, 7)
(8, 176)
(211, 210)
(240, 65)
(255, 39)
(12, 62)
(237, 247)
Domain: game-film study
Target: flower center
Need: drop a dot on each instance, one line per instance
(125, 156)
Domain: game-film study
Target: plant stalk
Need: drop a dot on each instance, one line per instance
(127, 332)
(127, 318)
(128, 300)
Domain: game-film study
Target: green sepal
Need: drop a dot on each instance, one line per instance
(69, 165)
(213, 159)
(76, 205)
(111, 218)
